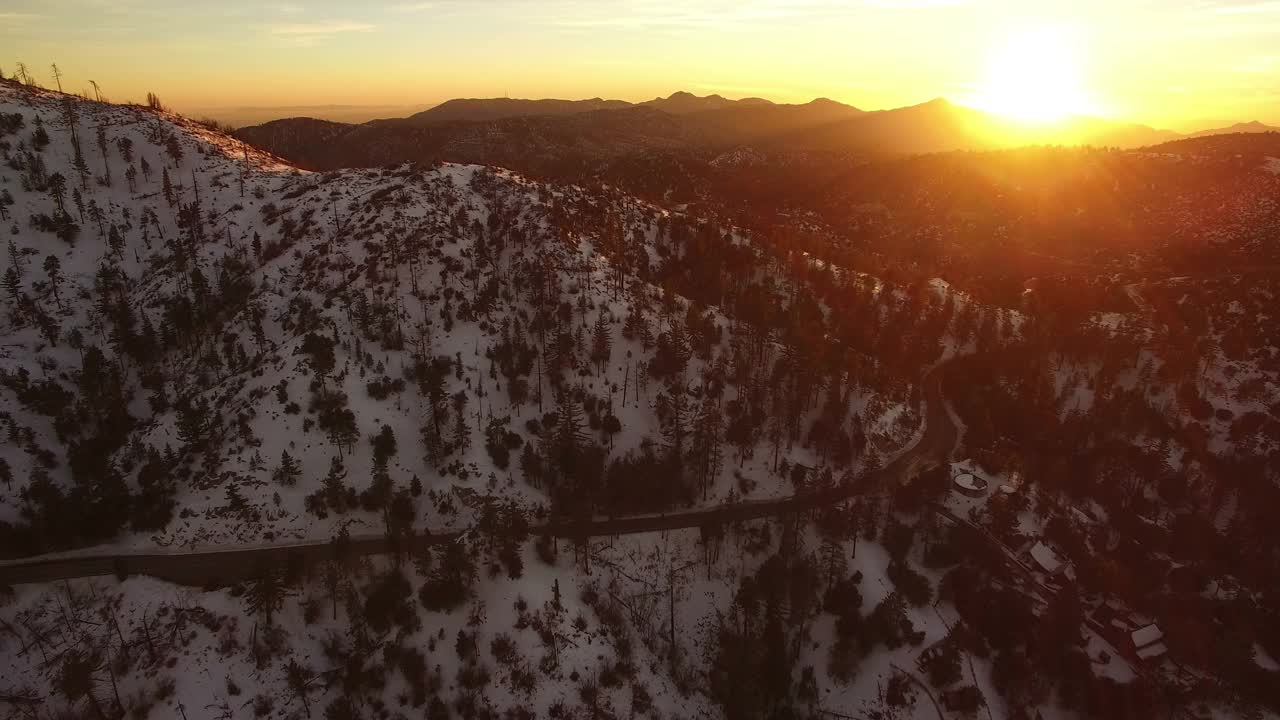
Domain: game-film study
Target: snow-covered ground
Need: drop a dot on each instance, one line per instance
(244, 269)
(387, 263)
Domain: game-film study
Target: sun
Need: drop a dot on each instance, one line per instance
(1035, 75)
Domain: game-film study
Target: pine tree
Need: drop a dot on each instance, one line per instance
(193, 421)
(102, 146)
(343, 432)
(320, 355)
(58, 191)
(681, 349)
(289, 471)
(384, 446)
(13, 287)
(378, 495)
(115, 240)
(611, 426)
(125, 145)
(299, 679)
(150, 341)
(6, 201)
(601, 342)
(834, 563)
(706, 442)
(40, 138)
(81, 167)
(573, 463)
(673, 414)
(265, 594)
(78, 161)
(569, 435)
(531, 465)
(166, 184)
(334, 487)
(15, 258)
(76, 683)
(461, 431)
(98, 217)
(53, 269)
(174, 149)
(636, 326)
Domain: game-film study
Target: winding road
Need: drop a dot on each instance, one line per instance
(219, 566)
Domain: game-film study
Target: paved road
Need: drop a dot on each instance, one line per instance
(217, 567)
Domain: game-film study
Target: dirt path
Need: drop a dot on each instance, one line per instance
(216, 567)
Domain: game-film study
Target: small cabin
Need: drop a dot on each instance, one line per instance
(1148, 642)
(1046, 559)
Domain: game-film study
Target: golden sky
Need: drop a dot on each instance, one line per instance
(1169, 63)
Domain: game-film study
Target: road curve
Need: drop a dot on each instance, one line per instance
(216, 567)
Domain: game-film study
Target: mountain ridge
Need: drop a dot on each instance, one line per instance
(681, 102)
(1252, 126)
(505, 130)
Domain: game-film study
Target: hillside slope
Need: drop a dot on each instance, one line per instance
(203, 319)
(202, 345)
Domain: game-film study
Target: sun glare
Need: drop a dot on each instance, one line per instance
(1035, 76)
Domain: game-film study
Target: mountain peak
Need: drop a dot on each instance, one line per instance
(1251, 127)
(683, 102)
(1254, 126)
(824, 103)
(938, 105)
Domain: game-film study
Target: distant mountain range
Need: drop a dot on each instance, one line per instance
(1244, 127)
(540, 135)
(488, 110)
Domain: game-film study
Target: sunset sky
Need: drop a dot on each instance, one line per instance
(1170, 63)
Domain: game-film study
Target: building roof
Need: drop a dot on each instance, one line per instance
(1154, 650)
(969, 481)
(1145, 636)
(1046, 558)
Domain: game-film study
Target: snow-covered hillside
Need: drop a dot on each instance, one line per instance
(202, 346)
(209, 310)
